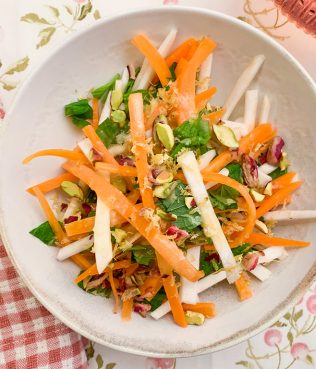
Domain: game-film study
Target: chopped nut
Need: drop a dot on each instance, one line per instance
(72, 189)
(194, 318)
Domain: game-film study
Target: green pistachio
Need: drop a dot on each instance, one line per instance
(194, 318)
(226, 136)
(72, 189)
(257, 196)
(116, 99)
(119, 116)
(165, 135)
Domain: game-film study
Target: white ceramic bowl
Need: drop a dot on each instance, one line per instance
(36, 121)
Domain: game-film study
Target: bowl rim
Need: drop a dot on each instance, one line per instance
(229, 341)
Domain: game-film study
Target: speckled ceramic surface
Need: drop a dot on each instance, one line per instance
(36, 121)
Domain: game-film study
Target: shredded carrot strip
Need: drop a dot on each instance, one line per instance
(258, 135)
(133, 196)
(174, 300)
(135, 106)
(68, 154)
(52, 184)
(151, 286)
(127, 309)
(202, 98)
(205, 308)
(262, 239)
(114, 291)
(157, 62)
(243, 287)
(282, 181)
(181, 66)
(186, 81)
(98, 144)
(81, 261)
(215, 116)
(192, 50)
(270, 202)
(180, 52)
(117, 201)
(122, 170)
(131, 269)
(159, 109)
(95, 113)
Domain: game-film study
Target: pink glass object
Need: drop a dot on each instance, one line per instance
(301, 12)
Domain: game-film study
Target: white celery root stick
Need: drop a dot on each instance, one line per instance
(251, 104)
(265, 110)
(210, 223)
(242, 84)
(74, 248)
(205, 74)
(188, 290)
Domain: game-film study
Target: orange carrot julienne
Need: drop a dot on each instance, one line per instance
(174, 300)
(262, 239)
(117, 201)
(127, 309)
(123, 170)
(151, 286)
(68, 154)
(283, 180)
(270, 202)
(131, 269)
(205, 308)
(159, 109)
(81, 261)
(135, 106)
(243, 287)
(180, 52)
(52, 220)
(114, 291)
(192, 50)
(156, 61)
(98, 144)
(95, 113)
(53, 183)
(202, 98)
(133, 196)
(186, 81)
(214, 116)
(180, 67)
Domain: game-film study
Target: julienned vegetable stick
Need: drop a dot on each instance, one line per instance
(267, 168)
(206, 158)
(75, 248)
(223, 172)
(146, 72)
(95, 110)
(290, 215)
(53, 183)
(243, 287)
(106, 111)
(265, 110)
(124, 79)
(117, 201)
(102, 232)
(68, 154)
(171, 290)
(250, 114)
(210, 223)
(156, 63)
(262, 239)
(238, 128)
(188, 290)
(205, 74)
(86, 146)
(272, 253)
(242, 84)
(261, 272)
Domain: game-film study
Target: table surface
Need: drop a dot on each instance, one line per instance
(28, 32)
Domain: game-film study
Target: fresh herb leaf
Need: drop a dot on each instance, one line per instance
(91, 196)
(158, 299)
(97, 291)
(172, 71)
(278, 173)
(223, 198)
(209, 263)
(80, 108)
(79, 122)
(102, 91)
(242, 249)
(45, 233)
(187, 219)
(235, 172)
(107, 131)
(144, 255)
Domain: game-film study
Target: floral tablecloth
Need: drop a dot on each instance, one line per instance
(28, 32)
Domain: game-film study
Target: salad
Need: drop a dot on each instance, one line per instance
(167, 194)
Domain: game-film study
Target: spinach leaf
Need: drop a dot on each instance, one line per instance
(278, 173)
(235, 172)
(45, 233)
(209, 263)
(79, 122)
(144, 255)
(187, 219)
(158, 299)
(80, 108)
(107, 131)
(224, 198)
(103, 91)
(242, 249)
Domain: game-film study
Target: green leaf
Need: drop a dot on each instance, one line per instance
(85, 10)
(97, 291)
(245, 364)
(235, 172)
(99, 361)
(279, 324)
(223, 198)
(8, 87)
(45, 36)
(290, 337)
(207, 264)
(110, 365)
(102, 91)
(242, 249)
(147, 96)
(157, 300)
(45, 233)
(96, 15)
(187, 219)
(79, 122)
(298, 315)
(287, 316)
(309, 360)
(172, 71)
(107, 131)
(54, 10)
(68, 9)
(278, 173)
(80, 108)
(19, 66)
(33, 18)
(90, 351)
(144, 255)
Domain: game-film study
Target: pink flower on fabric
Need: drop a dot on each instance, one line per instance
(311, 304)
(299, 351)
(272, 337)
(80, 1)
(156, 363)
(2, 112)
(170, 2)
